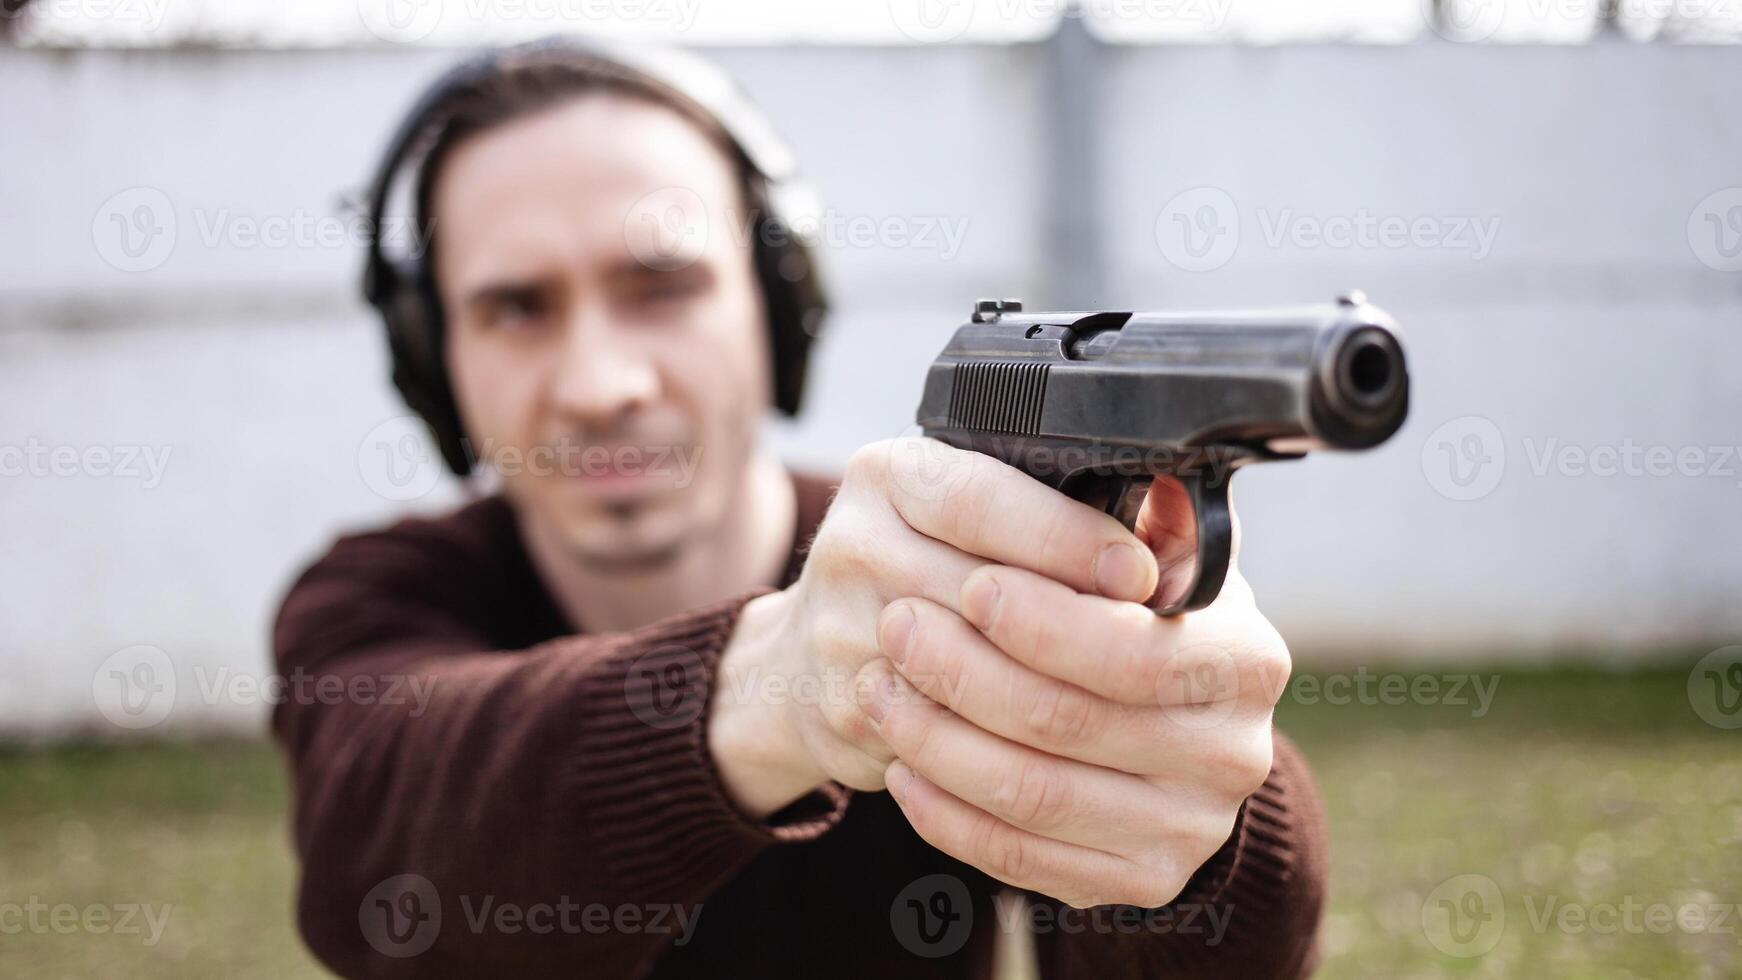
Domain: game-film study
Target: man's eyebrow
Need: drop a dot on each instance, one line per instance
(634, 268)
(497, 290)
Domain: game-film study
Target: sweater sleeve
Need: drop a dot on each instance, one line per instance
(1250, 913)
(468, 811)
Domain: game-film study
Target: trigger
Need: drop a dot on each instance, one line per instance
(1126, 502)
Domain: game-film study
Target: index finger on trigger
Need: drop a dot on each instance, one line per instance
(991, 509)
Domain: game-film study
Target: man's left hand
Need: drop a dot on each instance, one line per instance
(1079, 746)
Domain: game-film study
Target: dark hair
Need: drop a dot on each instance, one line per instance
(532, 81)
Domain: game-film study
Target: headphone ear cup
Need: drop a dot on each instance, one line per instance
(793, 298)
(412, 314)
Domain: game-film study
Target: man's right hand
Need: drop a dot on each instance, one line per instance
(913, 518)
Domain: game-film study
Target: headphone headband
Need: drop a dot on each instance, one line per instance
(401, 289)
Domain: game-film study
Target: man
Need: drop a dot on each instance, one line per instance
(724, 720)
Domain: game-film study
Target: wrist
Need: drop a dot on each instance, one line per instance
(753, 737)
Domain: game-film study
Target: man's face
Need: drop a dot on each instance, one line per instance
(604, 322)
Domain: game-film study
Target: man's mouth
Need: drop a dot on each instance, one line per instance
(623, 472)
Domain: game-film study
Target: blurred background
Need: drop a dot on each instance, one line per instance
(1515, 624)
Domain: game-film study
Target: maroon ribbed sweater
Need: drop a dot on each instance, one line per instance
(551, 795)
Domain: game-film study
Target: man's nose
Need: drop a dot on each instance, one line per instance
(602, 375)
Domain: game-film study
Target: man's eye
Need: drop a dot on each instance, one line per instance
(670, 288)
(515, 309)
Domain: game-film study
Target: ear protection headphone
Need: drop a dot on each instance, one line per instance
(402, 288)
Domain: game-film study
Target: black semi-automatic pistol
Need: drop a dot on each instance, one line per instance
(1099, 404)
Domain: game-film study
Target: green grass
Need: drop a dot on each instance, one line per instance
(1578, 786)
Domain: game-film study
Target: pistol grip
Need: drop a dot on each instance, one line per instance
(1122, 496)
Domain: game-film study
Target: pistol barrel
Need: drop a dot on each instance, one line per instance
(1276, 382)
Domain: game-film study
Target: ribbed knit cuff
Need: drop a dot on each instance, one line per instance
(1211, 879)
(643, 785)
(1248, 883)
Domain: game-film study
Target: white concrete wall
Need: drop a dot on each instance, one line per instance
(1590, 320)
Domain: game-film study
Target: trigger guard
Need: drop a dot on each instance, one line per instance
(1123, 496)
(1215, 545)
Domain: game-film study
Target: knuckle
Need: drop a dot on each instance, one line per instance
(935, 667)
(968, 511)
(1132, 619)
(837, 555)
(870, 463)
(837, 641)
(856, 729)
(1139, 669)
(1054, 537)
(1003, 852)
(846, 721)
(1033, 794)
(1158, 879)
(913, 735)
(1150, 892)
(1273, 665)
(1251, 763)
(1063, 716)
(857, 772)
